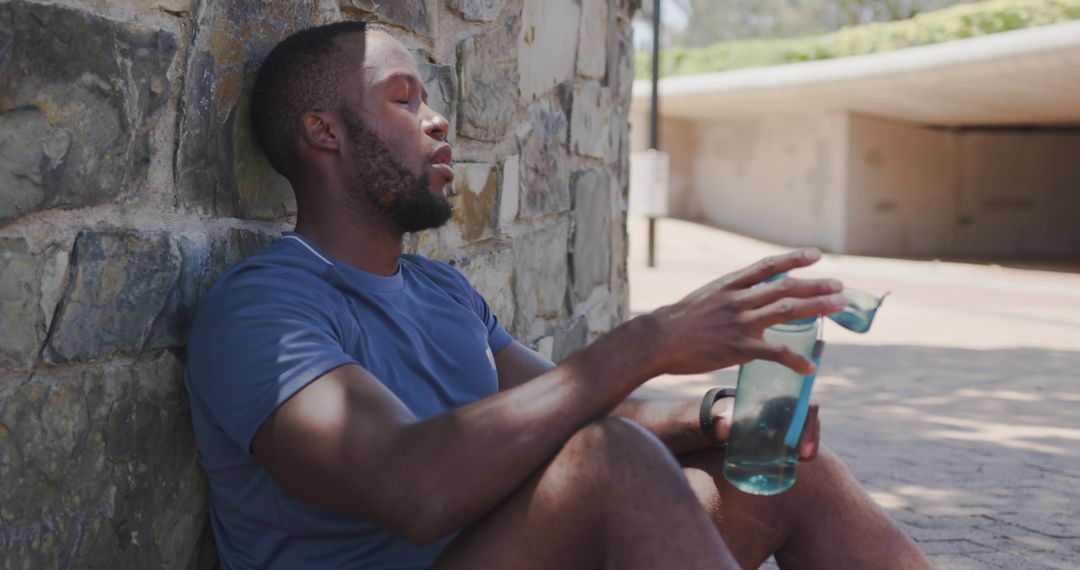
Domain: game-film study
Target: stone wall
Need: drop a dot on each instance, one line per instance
(128, 183)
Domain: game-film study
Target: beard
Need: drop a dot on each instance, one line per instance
(383, 182)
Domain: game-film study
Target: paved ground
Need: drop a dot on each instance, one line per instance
(959, 411)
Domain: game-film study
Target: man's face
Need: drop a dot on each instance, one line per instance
(399, 156)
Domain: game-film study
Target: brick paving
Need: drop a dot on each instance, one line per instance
(959, 411)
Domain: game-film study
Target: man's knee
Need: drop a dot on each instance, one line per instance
(824, 483)
(611, 451)
(614, 439)
(823, 470)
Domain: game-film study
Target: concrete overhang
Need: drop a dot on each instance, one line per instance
(1024, 77)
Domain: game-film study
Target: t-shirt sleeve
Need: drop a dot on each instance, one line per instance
(252, 349)
(498, 338)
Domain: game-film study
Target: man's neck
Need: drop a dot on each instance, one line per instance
(366, 244)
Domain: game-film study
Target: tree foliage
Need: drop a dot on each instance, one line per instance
(956, 22)
(714, 21)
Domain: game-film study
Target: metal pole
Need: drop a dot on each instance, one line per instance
(654, 116)
(654, 111)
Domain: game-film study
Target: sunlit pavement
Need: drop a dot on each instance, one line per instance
(959, 411)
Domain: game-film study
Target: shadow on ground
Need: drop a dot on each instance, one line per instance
(976, 452)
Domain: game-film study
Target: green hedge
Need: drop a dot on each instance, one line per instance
(957, 22)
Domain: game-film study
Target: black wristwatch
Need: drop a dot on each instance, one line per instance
(705, 415)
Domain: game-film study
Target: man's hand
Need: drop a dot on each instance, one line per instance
(720, 324)
(726, 309)
(808, 441)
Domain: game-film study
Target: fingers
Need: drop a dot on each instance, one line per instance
(811, 435)
(722, 418)
(789, 309)
(788, 287)
(778, 353)
(771, 266)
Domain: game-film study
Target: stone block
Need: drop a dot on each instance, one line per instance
(600, 312)
(54, 276)
(220, 170)
(98, 469)
(570, 339)
(175, 6)
(545, 175)
(477, 10)
(545, 346)
(121, 284)
(547, 45)
(618, 143)
(620, 68)
(31, 154)
(80, 96)
(510, 191)
(489, 76)
(492, 274)
(590, 120)
(592, 39)
(591, 243)
(540, 278)
(227, 251)
(171, 6)
(475, 190)
(201, 265)
(443, 243)
(412, 15)
(441, 86)
(22, 328)
(261, 193)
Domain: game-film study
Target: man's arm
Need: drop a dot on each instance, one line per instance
(675, 422)
(347, 443)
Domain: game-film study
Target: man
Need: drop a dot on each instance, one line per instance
(356, 407)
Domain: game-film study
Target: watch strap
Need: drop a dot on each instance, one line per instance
(705, 414)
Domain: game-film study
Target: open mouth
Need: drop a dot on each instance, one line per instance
(440, 162)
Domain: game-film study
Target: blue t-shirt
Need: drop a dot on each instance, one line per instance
(279, 320)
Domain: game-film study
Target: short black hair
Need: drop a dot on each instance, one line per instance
(302, 73)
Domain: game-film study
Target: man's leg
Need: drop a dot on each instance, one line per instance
(825, 521)
(613, 497)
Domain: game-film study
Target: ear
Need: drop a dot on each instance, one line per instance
(321, 131)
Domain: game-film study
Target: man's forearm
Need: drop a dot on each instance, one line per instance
(674, 421)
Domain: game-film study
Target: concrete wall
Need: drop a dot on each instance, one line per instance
(128, 183)
(780, 178)
(867, 185)
(970, 193)
(901, 189)
(680, 140)
(1018, 194)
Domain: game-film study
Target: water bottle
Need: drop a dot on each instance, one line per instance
(771, 403)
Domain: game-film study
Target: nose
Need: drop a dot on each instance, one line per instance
(435, 125)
